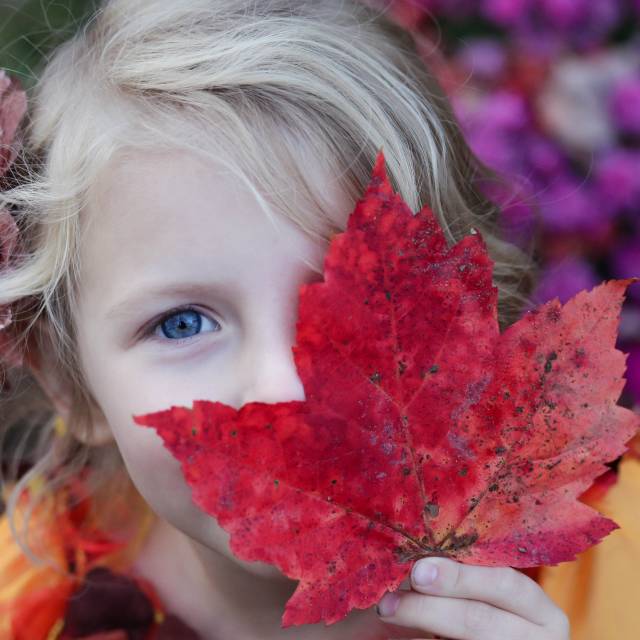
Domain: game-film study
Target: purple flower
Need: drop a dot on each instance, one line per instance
(545, 157)
(564, 14)
(517, 215)
(633, 372)
(617, 180)
(564, 279)
(483, 59)
(494, 149)
(506, 13)
(625, 263)
(569, 204)
(625, 104)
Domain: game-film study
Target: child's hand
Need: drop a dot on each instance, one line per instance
(466, 602)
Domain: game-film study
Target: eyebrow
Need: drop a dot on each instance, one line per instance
(153, 293)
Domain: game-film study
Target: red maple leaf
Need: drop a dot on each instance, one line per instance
(424, 430)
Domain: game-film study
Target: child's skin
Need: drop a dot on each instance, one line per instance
(157, 220)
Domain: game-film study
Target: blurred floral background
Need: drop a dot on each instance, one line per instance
(548, 93)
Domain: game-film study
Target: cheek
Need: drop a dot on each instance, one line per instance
(156, 474)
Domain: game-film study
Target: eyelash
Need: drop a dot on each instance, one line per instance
(149, 332)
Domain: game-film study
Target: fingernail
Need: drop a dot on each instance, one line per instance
(424, 573)
(388, 605)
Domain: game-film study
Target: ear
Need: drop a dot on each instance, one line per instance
(60, 393)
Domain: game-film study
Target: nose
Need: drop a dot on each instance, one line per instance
(270, 372)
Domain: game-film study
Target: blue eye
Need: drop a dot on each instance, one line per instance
(181, 324)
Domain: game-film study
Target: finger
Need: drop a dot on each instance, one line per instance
(456, 618)
(501, 587)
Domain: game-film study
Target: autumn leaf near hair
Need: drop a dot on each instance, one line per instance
(424, 430)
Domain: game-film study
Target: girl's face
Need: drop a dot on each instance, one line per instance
(167, 231)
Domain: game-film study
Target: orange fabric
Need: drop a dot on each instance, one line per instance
(599, 590)
(37, 612)
(33, 597)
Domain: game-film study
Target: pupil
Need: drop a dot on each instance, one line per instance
(184, 322)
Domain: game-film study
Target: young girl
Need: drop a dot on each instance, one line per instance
(184, 167)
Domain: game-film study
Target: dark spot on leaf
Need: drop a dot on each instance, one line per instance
(375, 377)
(334, 481)
(500, 450)
(276, 482)
(366, 302)
(268, 426)
(463, 472)
(493, 487)
(522, 549)
(553, 314)
(461, 542)
(387, 295)
(434, 368)
(550, 358)
(406, 471)
(402, 367)
(194, 431)
(519, 409)
(580, 357)
(432, 509)
(234, 433)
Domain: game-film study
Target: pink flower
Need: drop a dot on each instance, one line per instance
(13, 104)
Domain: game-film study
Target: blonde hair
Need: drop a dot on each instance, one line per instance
(334, 80)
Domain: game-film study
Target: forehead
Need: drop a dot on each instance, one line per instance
(172, 211)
